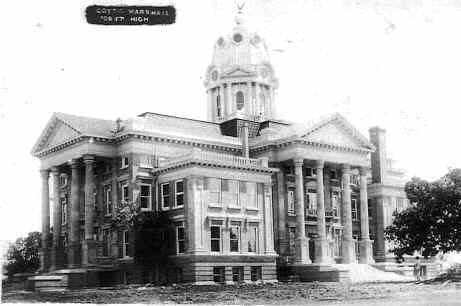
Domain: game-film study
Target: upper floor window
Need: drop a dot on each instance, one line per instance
(180, 239)
(165, 195)
(64, 210)
(234, 238)
(125, 162)
(215, 238)
(311, 199)
(213, 188)
(291, 202)
(354, 179)
(179, 193)
(106, 242)
(354, 209)
(218, 106)
(253, 239)
(230, 192)
(334, 175)
(311, 172)
(146, 196)
(108, 199)
(125, 192)
(63, 180)
(240, 100)
(126, 244)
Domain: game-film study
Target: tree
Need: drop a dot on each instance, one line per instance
(433, 223)
(22, 256)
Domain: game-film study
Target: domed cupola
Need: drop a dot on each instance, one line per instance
(240, 80)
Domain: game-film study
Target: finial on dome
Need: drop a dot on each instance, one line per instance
(239, 17)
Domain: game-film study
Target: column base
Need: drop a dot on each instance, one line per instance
(366, 251)
(302, 251)
(44, 255)
(74, 255)
(321, 252)
(348, 252)
(89, 252)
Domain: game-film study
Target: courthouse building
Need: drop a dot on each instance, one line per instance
(249, 195)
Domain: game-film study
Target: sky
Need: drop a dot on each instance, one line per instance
(395, 64)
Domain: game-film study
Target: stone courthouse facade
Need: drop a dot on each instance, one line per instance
(249, 195)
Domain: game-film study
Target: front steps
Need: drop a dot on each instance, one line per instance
(65, 279)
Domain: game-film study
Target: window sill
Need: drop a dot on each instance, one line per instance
(232, 207)
(251, 208)
(214, 205)
(177, 207)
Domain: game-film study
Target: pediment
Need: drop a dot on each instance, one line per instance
(56, 132)
(238, 72)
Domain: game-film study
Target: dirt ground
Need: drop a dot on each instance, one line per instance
(444, 292)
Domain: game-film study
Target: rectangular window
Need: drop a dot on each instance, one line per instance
(108, 199)
(125, 193)
(230, 192)
(335, 203)
(218, 275)
(125, 162)
(310, 172)
(215, 235)
(354, 179)
(63, 180)
(105, 242)
(234, 238)
(165, 195)
(311, 200)
(179, 193)
(145, 196)
(180, 239)
(291, 202)
(291, 242)
(354, 209)
(253, 239)
(237, 274)
(256, 274)
(64, 210)
(212, 187)
(334, 175)
(126, 244)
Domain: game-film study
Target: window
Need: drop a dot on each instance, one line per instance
(311, 200)
(145, 196)
(105, 242)
(125, 162)
(126, 244)
(291, 239)
(290, 170)
(218, 274)
(234, 238)
(255, 274)
(335, 203)
(253, 239)
(240, 100)
(218, 106)
(291, 202)
(229, 192)
(334, 175)
(215, 232)
(165, 195)
(108, 199)
(180, 239)
(354, 208)
(125, 193)
(237, 274)
(63, 180)
(64, 209)
(311, 172)
(354, 179)
(179, 193)
(212, 186)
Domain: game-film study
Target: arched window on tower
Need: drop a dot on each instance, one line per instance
(240, 100)
(218, 106)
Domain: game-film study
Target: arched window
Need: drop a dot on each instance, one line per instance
(218, 106)
(240, 100)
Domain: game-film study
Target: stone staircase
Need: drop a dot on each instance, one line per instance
(64, 279)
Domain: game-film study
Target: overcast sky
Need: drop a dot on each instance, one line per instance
(376, 62)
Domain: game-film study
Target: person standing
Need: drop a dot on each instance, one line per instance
(417, 269)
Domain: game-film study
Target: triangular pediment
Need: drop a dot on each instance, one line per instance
(237, 72)
(56, 132)
(336, 130)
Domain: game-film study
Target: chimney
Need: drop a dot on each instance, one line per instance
(244, 135)
(378, 158)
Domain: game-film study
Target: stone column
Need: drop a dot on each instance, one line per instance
(268, 221)
(327, 188)
(195, 234)
(114, 232)
(89, 245)
(379, 244)
(229, 103)
(45, 251)
(257, 100)
(73, 253)
(348, 242)
(321, 244)
(301, 241)
(55, 251)
(365, 244)
(221, 100)
(282, 212)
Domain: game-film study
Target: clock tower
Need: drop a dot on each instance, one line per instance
(240, 81)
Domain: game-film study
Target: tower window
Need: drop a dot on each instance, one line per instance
(218, 106)
(240, 99)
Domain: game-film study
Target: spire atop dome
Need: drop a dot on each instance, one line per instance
(239, 17)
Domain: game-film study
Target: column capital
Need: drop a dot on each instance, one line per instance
(346, 168)
(319, 164)
(88, 159)
(74, 163)
(54, 170)
(298, 161)
(363, 170)
(45, 173)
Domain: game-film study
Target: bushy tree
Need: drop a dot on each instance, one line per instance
(23, 256)
(433, 223)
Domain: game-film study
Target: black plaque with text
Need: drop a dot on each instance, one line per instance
(130, 15)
